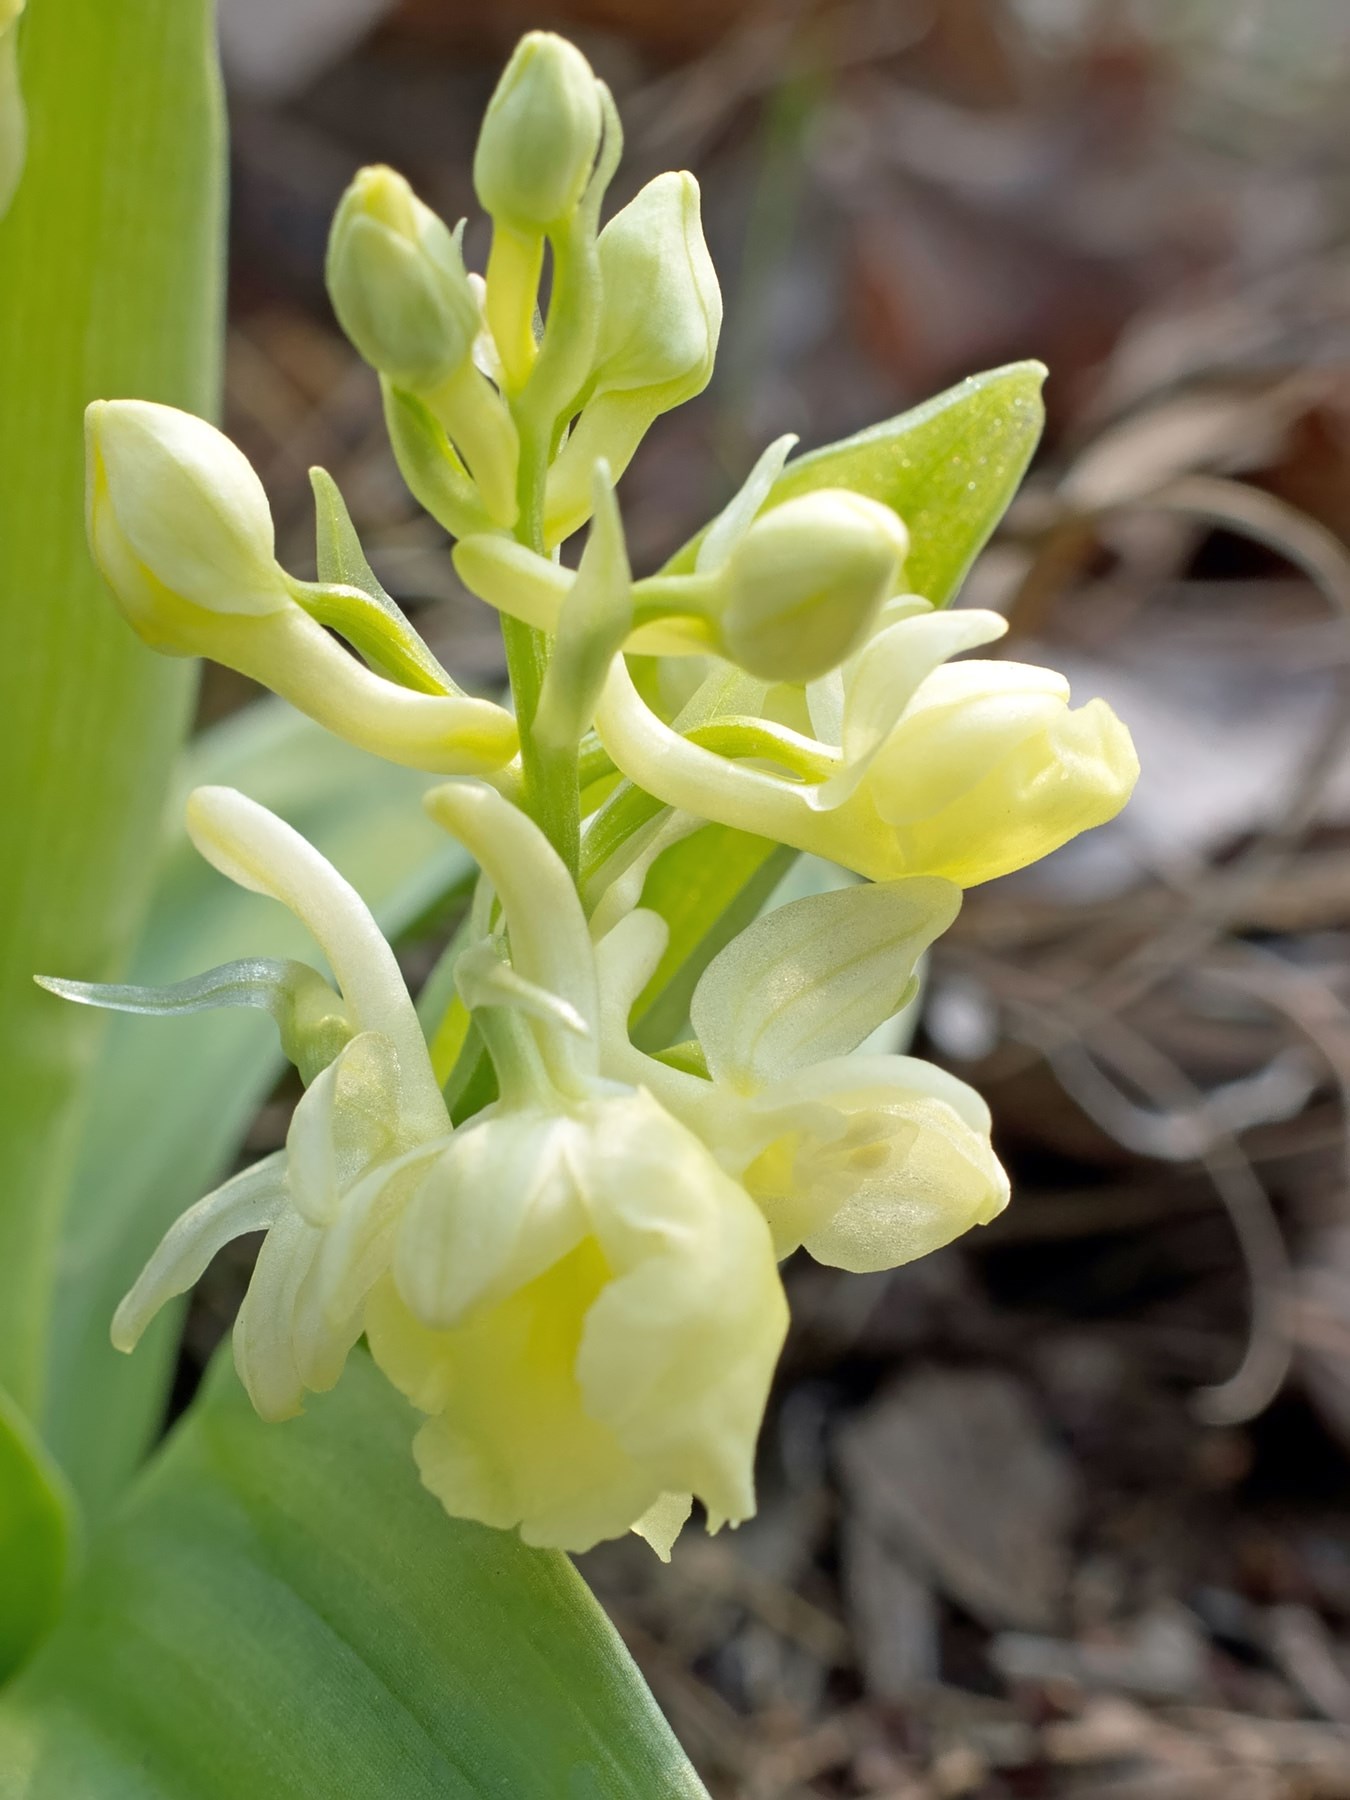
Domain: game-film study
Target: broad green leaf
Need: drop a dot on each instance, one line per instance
(172, 1097)
(35, 1530)
(283, 1611)
(948, 467)
(110, 283)
(707, 887)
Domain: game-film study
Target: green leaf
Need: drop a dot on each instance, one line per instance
(284, 1611)
(948, 467)
(172, 1097)
(35, 1531)
(110, 283)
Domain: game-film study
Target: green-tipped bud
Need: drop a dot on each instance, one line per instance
(540, 135)
(176, 514)
(662, 307)
(802, 589)
(398, 284)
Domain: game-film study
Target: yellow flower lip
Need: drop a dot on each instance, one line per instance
(588, 1309)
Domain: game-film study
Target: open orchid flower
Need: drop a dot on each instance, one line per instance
(967, 771)
(869, 1161)
(362, 1128)
(582, 1300)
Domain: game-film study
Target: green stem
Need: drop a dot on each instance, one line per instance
(551, 792)
(514, 263)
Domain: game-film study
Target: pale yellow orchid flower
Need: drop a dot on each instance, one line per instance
(584, 1303)
(365, 1125)
(868, 1160)
(914, 768)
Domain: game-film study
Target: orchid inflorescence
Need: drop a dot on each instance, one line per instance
(577, 1284)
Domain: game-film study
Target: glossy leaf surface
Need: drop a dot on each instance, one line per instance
(110, 283)
(284, 1611)
(948, 467)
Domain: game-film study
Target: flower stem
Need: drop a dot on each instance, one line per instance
(551, 792)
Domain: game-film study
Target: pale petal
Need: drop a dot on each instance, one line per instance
(680, 1346)
(889, 670)
(253, 1200)
(947, 1182)
(737, 516)
(913, 1170)
(259, 851)
(872, 1079)
(264, 1332)
(1075, 773)
(959, 725)
(359, 1243)
(495, 1211)
(510, 1443)
(813, 978)
(626, 957)
(662, 1523)
(346, 1119)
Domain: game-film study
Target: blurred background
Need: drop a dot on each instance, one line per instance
(1064, 1511)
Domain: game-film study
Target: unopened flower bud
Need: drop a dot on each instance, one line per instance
(180, 527)
(803, 588)
(662, 307)
(398, 284)
(176, 514)
(540, 135)
(661, 315)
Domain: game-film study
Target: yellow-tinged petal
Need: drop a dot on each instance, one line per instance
(910, 1170)
(1073, 769)
(588, 1333)
(663, 1522)
(260, 851)
(509, 1442)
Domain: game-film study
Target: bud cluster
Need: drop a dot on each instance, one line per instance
(576, 1283)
